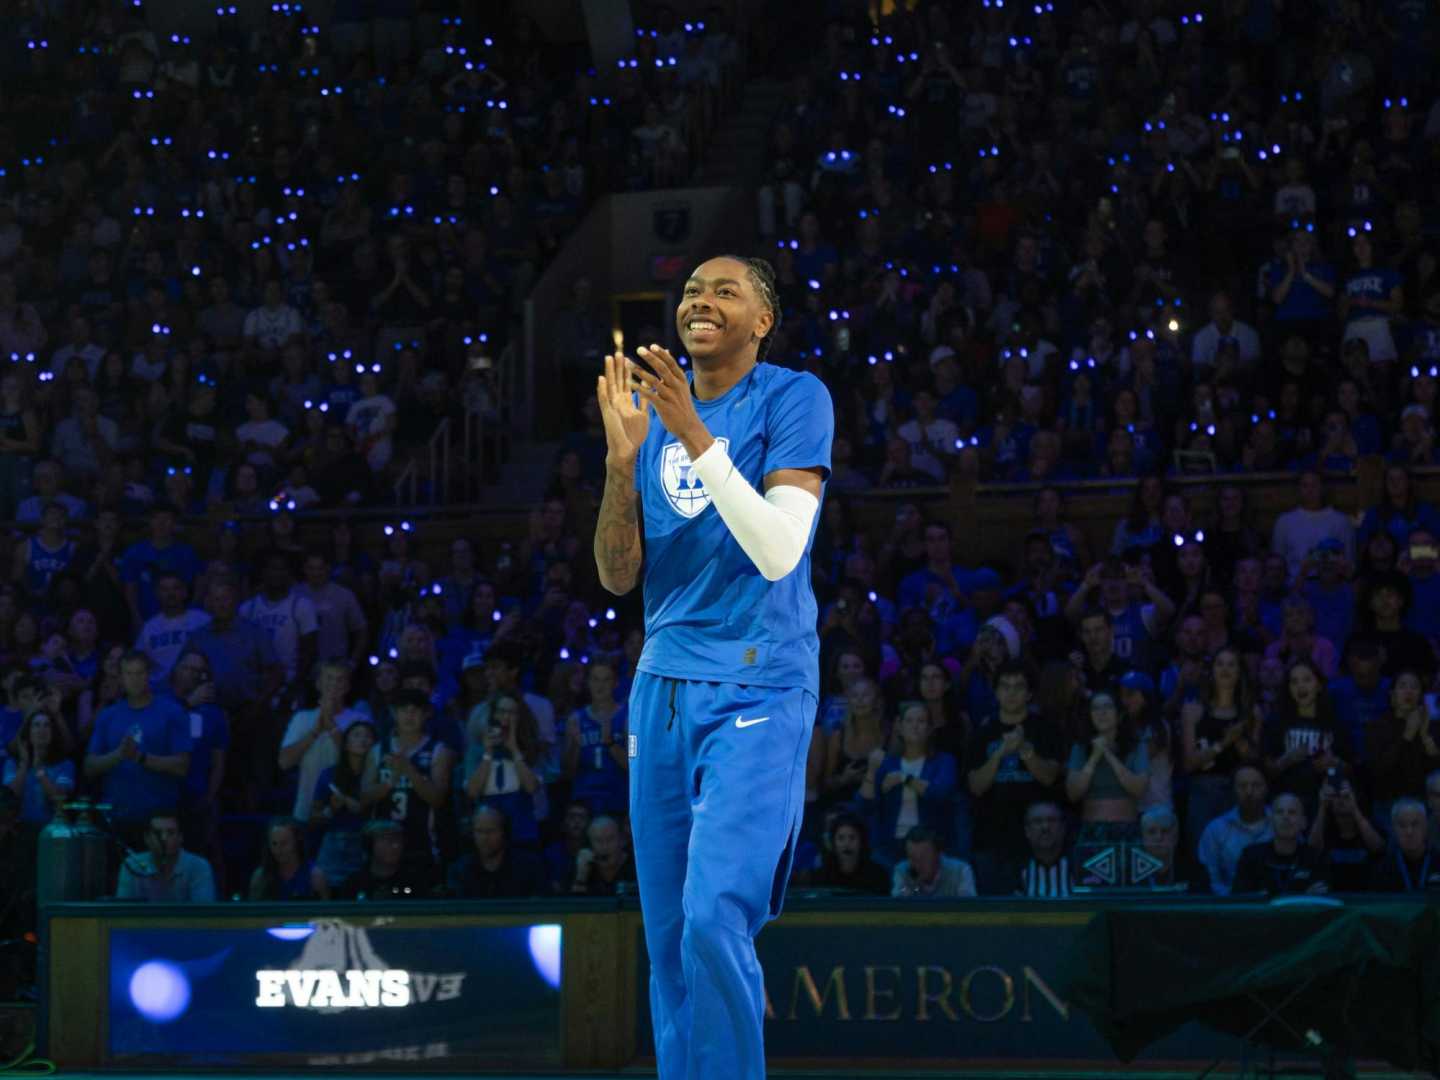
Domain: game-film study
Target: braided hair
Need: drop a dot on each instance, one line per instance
(762, 277)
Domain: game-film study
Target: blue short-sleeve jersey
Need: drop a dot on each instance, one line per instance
(709, 614)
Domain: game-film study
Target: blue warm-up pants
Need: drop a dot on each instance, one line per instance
(717, 791)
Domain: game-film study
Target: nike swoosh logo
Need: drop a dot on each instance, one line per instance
(742, 722)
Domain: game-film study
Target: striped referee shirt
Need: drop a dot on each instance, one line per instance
(1046, 882)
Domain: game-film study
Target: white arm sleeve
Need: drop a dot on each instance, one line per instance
(772, 530)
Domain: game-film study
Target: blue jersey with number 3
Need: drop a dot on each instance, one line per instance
(709, 614)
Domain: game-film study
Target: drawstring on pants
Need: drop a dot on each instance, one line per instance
(671, 723)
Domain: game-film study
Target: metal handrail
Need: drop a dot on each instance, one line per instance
(437, 477)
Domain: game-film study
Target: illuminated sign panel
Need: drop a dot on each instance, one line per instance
(336, 992)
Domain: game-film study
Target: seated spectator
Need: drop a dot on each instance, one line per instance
(1160, 839)
(387, 874)
(1345, 836)
(1046, 872)
(604, 867)
(1107, 774)
(914, 787)
(164, 872)
(845, 864)
(284, 872)
(495, 870)
(927, 874)
(1284, 864)
(596, 758)
(414, 781)
(139, 751)
(561, 853)
(39, 773)
(1410, 866)
(1232, 832)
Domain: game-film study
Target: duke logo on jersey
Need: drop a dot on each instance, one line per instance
(682, 486)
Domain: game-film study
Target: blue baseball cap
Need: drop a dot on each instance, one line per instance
(1138, 680)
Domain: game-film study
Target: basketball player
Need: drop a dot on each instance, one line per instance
(728, 484)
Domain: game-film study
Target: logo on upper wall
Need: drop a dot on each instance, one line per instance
(682, 486)
(672, 222)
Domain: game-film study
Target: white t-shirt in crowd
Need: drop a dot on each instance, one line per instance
(163, 637)
(288, 620)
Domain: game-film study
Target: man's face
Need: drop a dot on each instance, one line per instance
(189, 672)
(170, 592)
(317, 572)
(388, 849)
(334, 683)
(1158, 839)
(135, 677)
(605, 840)
(924, 860)
(500, 675)
(1387, 603)
(1248, 575)
(1412, 833)
(1095, 636)
(1250, 791)
(162, 527)
(277, 576)
(1365, 670)
(163, 839)
(720, 311)
(1190, 638)
(1045, 830)
(220, 602)
(1287, 817)
(577, 820)
(936, 545)
(489, 835)
(1310, 491)
(1012, 692)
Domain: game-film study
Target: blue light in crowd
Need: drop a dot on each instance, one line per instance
(545, 952)
(292, 933)
(159, 991)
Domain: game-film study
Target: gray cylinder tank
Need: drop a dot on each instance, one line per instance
(72, 858)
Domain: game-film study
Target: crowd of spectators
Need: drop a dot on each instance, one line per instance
(1029, 242)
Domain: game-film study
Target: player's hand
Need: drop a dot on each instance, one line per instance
(626, 424)
(666, 387)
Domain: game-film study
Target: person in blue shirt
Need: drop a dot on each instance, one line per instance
(1373, 296)
(193, 689)
(1361, 695)
(595, 756)
(146, 561)
(139, 750)
(39, 773)
(729, 484)
(1302, 287)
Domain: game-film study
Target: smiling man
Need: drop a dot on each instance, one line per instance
(729, 483)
